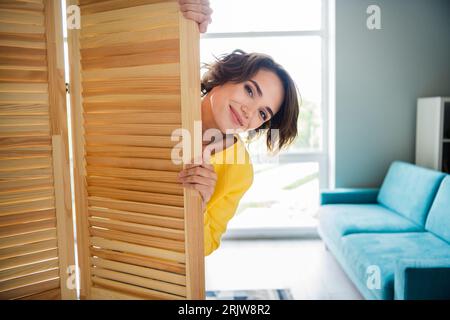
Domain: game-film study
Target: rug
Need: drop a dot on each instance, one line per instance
(267, 294)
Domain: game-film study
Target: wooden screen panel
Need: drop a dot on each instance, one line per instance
(134, 79)
(36, 230)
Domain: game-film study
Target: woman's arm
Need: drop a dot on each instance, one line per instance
(197, 10)
(222, 208)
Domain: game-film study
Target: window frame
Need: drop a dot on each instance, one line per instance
(326, 34)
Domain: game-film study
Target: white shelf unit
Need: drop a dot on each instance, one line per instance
(433, 133)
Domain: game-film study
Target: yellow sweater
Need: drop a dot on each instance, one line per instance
(234, 177)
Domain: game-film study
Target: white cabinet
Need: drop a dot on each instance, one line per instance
(433, 133)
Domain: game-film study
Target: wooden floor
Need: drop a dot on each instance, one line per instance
(304, 266)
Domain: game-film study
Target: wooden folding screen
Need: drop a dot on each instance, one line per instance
(36, 230)
(135, 79)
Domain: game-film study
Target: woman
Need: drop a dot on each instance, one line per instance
(245, 92)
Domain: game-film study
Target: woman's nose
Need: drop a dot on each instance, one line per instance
(246, 111)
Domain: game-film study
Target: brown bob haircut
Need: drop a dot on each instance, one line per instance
(238, 67)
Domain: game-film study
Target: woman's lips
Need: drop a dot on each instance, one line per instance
(235, 117)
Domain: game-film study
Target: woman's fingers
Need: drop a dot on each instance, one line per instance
(204, 170)
(203, 27)
(198, 179)
(196, 16)
(197, 8)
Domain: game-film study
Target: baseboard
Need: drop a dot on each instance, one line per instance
(271, 233)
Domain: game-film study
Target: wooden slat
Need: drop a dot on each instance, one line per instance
(163, 70)
(94, 6)
(30, 237)
(23, 109)
(29, 6)
(26, 195)
(24, 185)
(32, 216)
(98, 293)
(136, 217)
(148, 197)
(25, 163)
(31, 289)
(155, 209)
(25, 120)
(7, 285)
(29, 269)
(140, 260)
(28, 259)
(168, 20)
(36, 205)
(163, 287)
(135, 290)
(36, 37)
(159, 34)
(137, 249)
(53, 294)
(7, 231)
(134, 118)
(6, 143)
(136, 129)
(122, 162)
(140, 271)
(136, 185)
(148, 11)
(24, 98)
(131, 140)
(20, 250)
(137, 228)
(22, 17)
(24, 87)
(162, 243)
(26, 173)
(147, 175)
(21, 76)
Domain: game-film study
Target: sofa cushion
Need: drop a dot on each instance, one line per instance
(367, 251)
(337, 220)
(409, 190)
(438, 220)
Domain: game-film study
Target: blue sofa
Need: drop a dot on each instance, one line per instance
(393, 242)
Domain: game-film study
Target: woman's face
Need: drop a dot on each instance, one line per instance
(245, 106)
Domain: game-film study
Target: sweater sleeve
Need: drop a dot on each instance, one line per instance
(223, 209)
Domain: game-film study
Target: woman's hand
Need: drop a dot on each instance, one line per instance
(197, 10)
(200, 177)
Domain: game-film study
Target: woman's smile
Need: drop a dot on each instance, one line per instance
(236, 118)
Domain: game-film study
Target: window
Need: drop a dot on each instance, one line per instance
(294, 33)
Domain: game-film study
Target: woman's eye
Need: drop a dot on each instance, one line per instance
(249, 90)
(264, 115)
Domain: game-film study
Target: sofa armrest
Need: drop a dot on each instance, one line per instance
(422, 279)
(348, 195)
